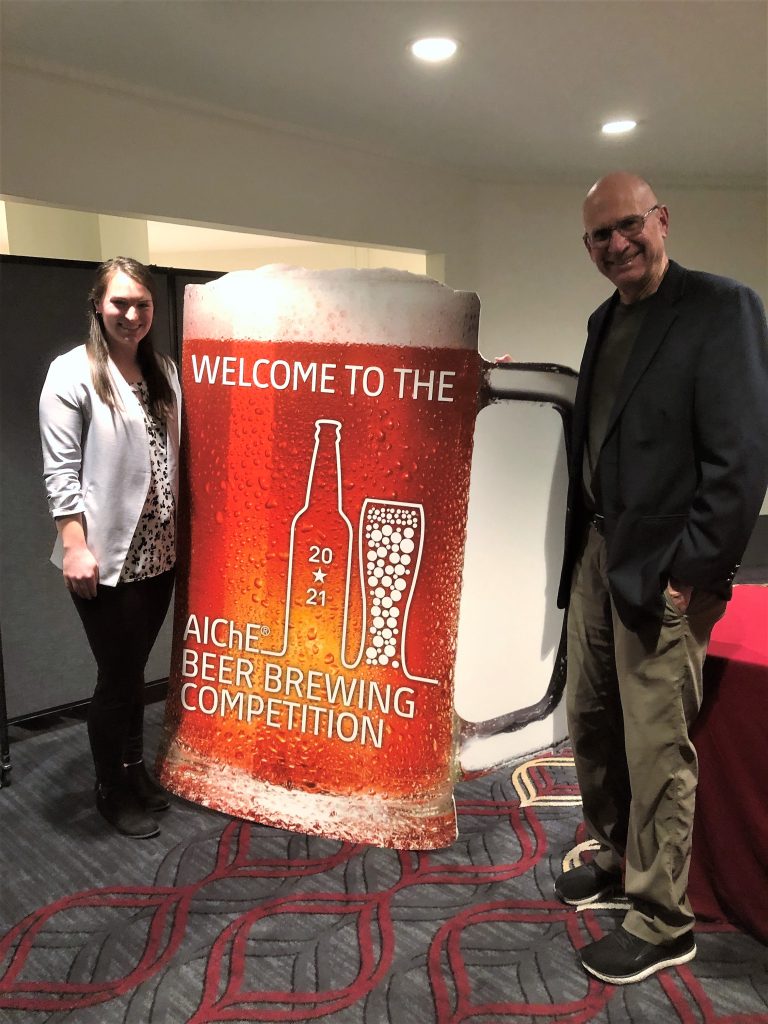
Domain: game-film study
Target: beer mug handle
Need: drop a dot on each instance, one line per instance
(549, 383)
(487, 744)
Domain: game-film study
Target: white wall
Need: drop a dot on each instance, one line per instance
(314, 255)
(67, 233)
(119, 235)
(721, 231)
(535, 282)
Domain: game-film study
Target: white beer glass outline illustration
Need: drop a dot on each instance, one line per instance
(397, 524)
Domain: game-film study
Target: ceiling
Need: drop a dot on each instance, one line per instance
(522, 102)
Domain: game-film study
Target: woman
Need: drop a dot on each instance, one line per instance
(109, 421)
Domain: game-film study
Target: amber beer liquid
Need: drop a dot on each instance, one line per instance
(329, 425)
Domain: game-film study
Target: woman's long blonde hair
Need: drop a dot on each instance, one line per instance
(161, 396)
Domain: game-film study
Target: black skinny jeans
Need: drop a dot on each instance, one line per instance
(121, 624)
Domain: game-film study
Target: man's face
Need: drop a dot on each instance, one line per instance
(636, 264)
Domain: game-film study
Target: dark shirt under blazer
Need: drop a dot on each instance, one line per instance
(684, 464)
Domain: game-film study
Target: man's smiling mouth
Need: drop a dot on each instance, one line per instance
(625, 261)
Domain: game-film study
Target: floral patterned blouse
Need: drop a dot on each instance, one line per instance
(153, 548)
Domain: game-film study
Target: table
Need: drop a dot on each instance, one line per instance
(729, 866)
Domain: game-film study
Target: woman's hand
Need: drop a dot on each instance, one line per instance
(81, 572)
(80, 568)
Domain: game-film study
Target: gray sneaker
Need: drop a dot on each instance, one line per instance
(587, 884)
(621, 958)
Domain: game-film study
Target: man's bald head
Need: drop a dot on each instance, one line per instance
(633, 256)
(619, 184)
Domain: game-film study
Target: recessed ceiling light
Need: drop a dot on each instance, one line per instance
(618, 127)
(434, 49)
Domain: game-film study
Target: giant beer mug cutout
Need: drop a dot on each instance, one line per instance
(329, 422)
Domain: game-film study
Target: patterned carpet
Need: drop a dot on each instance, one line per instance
(221, 920)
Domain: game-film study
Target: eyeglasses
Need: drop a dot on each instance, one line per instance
(629, 227)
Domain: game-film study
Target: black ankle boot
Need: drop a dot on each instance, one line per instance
(147, 790)
(119, 805)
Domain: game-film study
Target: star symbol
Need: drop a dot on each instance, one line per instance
(320, 576)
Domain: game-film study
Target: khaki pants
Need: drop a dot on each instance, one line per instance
(631, 698)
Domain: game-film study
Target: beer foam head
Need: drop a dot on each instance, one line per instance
(377, 307)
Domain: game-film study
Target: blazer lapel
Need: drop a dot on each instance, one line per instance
(661, 315)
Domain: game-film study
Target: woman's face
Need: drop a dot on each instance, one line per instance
(126, 310)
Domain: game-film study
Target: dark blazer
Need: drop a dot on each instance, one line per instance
(683, 469)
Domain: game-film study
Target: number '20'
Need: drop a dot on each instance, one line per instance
(318, 554)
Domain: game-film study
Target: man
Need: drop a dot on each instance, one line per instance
(669, 466)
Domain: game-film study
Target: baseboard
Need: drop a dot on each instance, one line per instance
(155, 690)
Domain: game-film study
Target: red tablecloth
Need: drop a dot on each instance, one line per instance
(729, 867)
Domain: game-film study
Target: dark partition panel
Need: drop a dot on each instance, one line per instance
(46, 660)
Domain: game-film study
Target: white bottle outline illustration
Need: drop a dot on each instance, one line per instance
(369, 506)
(319, 424)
